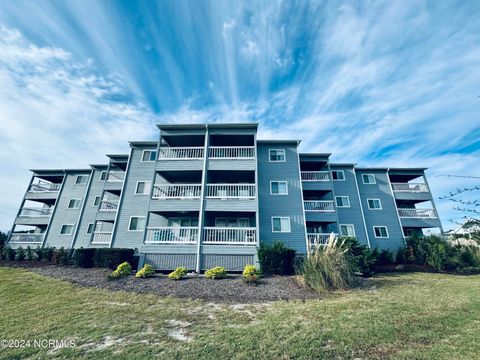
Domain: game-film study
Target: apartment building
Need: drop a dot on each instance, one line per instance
(208, 195)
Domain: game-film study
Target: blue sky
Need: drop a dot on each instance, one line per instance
(374, 82)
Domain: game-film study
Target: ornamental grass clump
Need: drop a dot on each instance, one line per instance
(146, 271)
(124, 269)
(251, 274)
(217, 272)
(178, 274)
(330, 267)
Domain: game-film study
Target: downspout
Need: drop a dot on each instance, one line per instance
(257, 214)
(80, 215)
(303, 202)
(361, 208)
(20, 209)
(54, 209)
(202, 199)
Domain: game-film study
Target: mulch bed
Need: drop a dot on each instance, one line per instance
(229, 290)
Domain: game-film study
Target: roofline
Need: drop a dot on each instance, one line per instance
(390, 168)
(149, 143)
(204, 126)
(315, 154)
(99, 165)
(117, 155)
(270, 141)
(59, 170)
(343, 164)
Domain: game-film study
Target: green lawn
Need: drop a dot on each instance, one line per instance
(402, 316)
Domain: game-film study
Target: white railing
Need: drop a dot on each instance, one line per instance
(115, 176)
(317, 239)
(35, 212)
(101, 237)
(177, 191)
(106, 205)
(410, 187)
(44, 186)
(417, 213)
(180, 153)
(171, 235)
(231, 152)
(319, 205)
(230, 236)
(26, 238)
(230, 191)
(315, 176)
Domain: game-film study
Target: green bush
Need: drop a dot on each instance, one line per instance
(330, 267)
(178, 274)
(365, 258)
(83, 257)
(3, 241)
(29, 254)
(47, 253)
(217, 272)
(8, 253)
(146, 271)
(111, 258)
(20, 254)
(38, 253)
(124, 269)
(276, 259)
(385, 258)
(251, 274)
(61, 256)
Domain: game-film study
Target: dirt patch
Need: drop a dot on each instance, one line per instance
(229, 290)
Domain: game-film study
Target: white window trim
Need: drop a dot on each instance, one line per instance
(342, 196)
(74, 208)
(143, 155)
(374, 209)
(353, 227)
(106, 175)
(88, 226)
(277, 161)
(278, 181)
(130, 222)
(146, 182)
(289, 224)
(99, 201)
(61, 227)
(369, 183)
(339, 171)
(83, 183)
(381, 237)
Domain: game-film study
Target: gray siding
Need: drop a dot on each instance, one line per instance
(281, 205)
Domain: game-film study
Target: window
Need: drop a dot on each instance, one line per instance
(280, 224)
(368, 179)
(278, 188)
(338, 175)
(342, 201)
(149, 155)
(74, 204)
(96, 201)
(66, 229)
(374, 204)
(380, 231)
(90, 228)
(347, 230)
(277, 155)
(103, 175)
(137, 223)
(81, 179)
(143, 187)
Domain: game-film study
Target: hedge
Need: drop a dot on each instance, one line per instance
(83, 257)
(276, 259)
(111, 258)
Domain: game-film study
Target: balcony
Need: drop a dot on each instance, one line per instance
(101, 237)
(231, 152)
(417, 213)
(171, 235)
(317, 239)
(177, 191)
(230, 191)
(230, 236)
(319, 205)
(410, 187)
(35, 212)
(180, 153)
(45, 187)
(315, 176)
(115, 176)
(26, 238)
(108, 205)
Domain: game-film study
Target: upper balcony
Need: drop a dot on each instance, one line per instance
(34, 216)
(43, 191)
(315, 176)
(181, 151)
(319, 210)
(232, 152)
(409, 184)
(418, 218)
(314, 172)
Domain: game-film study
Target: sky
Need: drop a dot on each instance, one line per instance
(378, 83)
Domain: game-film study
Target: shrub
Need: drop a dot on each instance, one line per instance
(3, 241)
(385, 258)
(124, 269)
(8, 253)
(178, 274)
(38, 253)
(29, 254)
(83, 257)
(60, 256)
(111, 258)
(217, 272)
(364, 258)
(146, 271)
(330, 267)
(251, 274)
(47, 253)
(276, 259)
(20, 254)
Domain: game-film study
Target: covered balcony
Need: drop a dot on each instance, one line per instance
(177, 191)
(319, 205)
(172, 228)
(417, 214)
(26, 235)
(314, 172)
(102, 233)
(45, 186)
(232, 152)
(409, 185)
(318, 233)
(234, 229)
(181, 147)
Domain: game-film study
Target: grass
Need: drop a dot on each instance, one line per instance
(400, 316)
